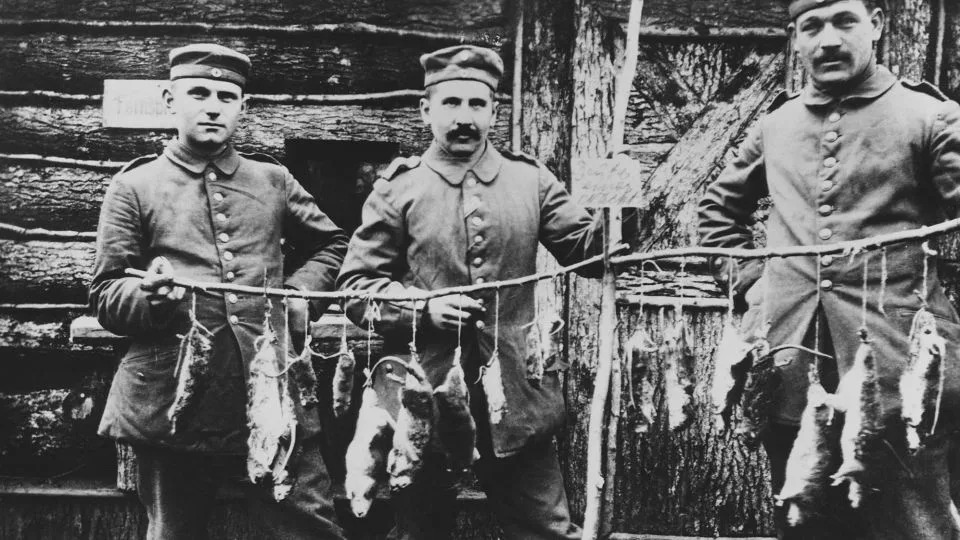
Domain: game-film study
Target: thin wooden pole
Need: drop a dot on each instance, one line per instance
(598, 403)
(516, 143)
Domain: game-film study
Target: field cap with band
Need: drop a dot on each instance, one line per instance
(799, 7)
(209, 61)
(462, 63)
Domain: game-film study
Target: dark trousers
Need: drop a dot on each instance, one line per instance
(525, 491)
(912, 500)
(178, 490)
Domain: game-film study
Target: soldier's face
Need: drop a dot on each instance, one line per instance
(835, 42)
(460, 114)
(205, 111)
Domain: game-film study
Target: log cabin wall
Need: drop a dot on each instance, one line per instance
(340, 78)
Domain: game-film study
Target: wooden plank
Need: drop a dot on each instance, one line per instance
(668, 218)
(489, 15)
(78, 62)
(87, 330)
(77, 132)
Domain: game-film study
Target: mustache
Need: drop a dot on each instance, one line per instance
(830, 57)
(464, 131)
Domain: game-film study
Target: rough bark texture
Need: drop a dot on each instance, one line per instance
(423, 14)
(45, 271)
(950, 76)
(595, 54)
(50, 197)
(328, 63)
(702, 15)
(696, 481)
(906, 45)
(77, 132)
(668, 218)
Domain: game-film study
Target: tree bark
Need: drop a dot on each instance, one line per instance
(40, 271)
(51, 197)
(597, 50)
(669, 218)
(905, 48)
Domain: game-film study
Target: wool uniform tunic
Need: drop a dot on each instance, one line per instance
(219, 220)
(439, 223)
(884, 158)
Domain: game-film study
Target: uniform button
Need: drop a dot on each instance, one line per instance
(478, 261)
(826, 260)
(480, 325)
(832, 136)
(471, 182)
(825, 210)
(478, 238)
(234, 319)
(834, 117)
(830, 162)
(228, 255)
(825, 234)
(827, 185)
(221, 217)
(826, 284)
(476, 220)
(230, 276)
(211, 176)
(224, 237)
(218, 197)
(479, 280)
(232, 298)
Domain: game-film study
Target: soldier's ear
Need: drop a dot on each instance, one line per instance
(425, 109)
(876, 19)
(792, 34)
(243, 102)
(168, 99)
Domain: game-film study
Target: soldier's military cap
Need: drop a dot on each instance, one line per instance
(799, 7)
(209, 61)
(464, 63)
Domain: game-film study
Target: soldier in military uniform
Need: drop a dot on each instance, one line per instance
(204, 211)
(856, 153)
(465, 213)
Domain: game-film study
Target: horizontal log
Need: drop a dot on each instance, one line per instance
(77, 132)
(56, 425)
(51, 271)
(450, 15)
(703, 15)
(49, 330)
(328, 62)
(52, 197)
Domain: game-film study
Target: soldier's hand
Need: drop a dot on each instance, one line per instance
(452, 311)
(298, 313)
(159, 282)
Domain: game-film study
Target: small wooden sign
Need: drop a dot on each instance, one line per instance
(607, 183)
(135, 104)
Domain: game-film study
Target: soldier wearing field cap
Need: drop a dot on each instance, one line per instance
(206, 212)
(466, 213)
(855, 154)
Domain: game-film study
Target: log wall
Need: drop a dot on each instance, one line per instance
(329, 70)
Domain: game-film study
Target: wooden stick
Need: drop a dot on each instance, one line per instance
(15, 232)
(516, 144)
(940, 6)
(376, 297)
(598, 403)
(43, 307)
(356, 28)
(62, 161)
(849, 246)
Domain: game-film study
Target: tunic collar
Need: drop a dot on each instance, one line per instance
(226, 161)
(874, 86)
(454, 170)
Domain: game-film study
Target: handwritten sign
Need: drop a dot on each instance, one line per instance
(135, 104)
(607, 183)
